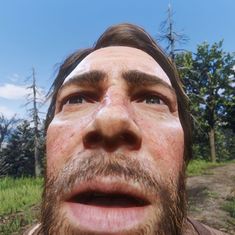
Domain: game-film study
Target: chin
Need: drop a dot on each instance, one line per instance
(115, 198)
(76, 218)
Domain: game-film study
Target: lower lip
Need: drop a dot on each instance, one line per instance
(105, 219)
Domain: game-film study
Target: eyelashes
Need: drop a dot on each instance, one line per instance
(150, 99)
(81, 98)
(78, 99)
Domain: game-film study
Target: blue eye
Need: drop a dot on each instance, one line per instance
(78, 99)
(152, 99)
(75, 100)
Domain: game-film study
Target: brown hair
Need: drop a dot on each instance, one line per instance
(131, 36)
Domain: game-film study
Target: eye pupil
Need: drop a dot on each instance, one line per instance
(153, 100)
(75, 100)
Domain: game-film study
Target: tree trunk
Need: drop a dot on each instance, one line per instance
(36, 157)
(212, 144)
(36, 132)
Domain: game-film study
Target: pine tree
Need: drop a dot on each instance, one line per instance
(6, 125)
(18, 154)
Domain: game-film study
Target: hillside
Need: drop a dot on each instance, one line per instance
(209, 194)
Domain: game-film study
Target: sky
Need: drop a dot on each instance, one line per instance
(41, 34)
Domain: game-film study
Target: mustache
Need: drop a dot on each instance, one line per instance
(170, 209)
(88, 168)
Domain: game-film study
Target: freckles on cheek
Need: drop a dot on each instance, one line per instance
(60, 140)
(165, 144)
(64, 138)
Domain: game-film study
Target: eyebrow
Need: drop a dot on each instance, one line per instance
(136, 79)
(93, 78)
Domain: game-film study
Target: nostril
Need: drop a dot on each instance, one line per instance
(130, 139)
(92, 139)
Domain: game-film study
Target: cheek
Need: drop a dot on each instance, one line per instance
(64, 139)
(164, 141)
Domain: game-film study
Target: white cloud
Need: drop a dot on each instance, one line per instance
(13, 92)
(14, 77)
(6, 112)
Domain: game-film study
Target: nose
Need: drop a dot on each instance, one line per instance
(112, 128)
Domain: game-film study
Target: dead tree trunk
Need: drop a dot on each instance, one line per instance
(169, 35)
(36, 129)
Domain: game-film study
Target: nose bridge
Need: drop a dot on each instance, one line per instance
(113, 126)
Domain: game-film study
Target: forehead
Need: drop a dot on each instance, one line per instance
(115, 59)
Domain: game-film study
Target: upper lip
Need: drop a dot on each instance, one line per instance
(111, 187)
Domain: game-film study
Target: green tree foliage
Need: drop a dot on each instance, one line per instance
(6, 126)
(208, 76)
(17, 158)
(19, 151)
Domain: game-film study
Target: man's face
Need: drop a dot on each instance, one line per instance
(115, 149)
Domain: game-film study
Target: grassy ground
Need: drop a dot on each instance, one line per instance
(17, 198)
(200, 167)
(211, 196)
(229, 206)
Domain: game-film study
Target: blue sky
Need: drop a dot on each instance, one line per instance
(41, 34)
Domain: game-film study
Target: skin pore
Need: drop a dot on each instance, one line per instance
(115, 149)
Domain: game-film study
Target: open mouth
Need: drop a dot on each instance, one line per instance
(109, 200)
(107, 207)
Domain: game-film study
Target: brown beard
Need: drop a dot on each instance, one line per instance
(170, 210)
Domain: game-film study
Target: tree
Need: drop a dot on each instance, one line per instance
(170, 36)
(18, 154)
(5, 127)
(209, 81)
(34, 100)
(230, 110)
